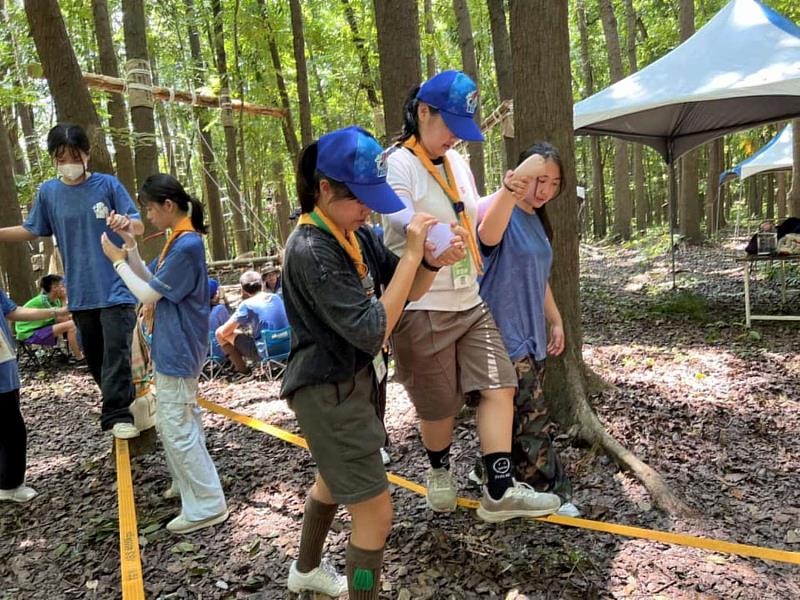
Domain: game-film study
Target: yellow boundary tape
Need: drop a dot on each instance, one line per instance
(624, 530)
(129, 558)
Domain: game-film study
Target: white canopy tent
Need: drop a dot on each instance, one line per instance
(776, 155)
(740, 70)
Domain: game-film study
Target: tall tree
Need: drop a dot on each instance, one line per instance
(241, 234)
(714, 216)
(793, 199)
(598, 196)
(397, 24)
(467, 45)
(298, 41)
(688, 199)
(430, 54)
(780, 196)
(118, 116)
(217, 220)
(640, 200)
(502, 63)
(543, 110)
(64, 78)
(281, 200)
(15, 259)
(366, 75)
(622, 194)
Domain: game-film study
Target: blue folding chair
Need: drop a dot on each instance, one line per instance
(274, 350)
(215, 360)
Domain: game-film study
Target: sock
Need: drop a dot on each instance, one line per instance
(363, 572)
(499, 473)
(440, 459)
(317, 519)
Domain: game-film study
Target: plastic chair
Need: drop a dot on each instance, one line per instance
(274, 349)
(215, 359)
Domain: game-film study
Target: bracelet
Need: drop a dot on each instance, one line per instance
(505, 185)
(429, 266)
(118, 262)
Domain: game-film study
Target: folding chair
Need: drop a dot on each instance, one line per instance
(215, 360)
(36, 356)
(274, 349)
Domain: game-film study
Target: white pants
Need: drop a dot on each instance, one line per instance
(179, 423)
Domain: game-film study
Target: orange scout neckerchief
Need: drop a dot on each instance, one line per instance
(346, 239)
(183, 226)
(451, 189)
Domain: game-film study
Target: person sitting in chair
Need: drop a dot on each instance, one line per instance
(258, 310)
(271, 278)
(47, 331)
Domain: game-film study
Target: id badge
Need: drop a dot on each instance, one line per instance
(380, 366)
(6, 352)
(462, 272)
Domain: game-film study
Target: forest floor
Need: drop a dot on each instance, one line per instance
(712, 406)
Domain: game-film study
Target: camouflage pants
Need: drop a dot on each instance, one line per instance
(535, 458)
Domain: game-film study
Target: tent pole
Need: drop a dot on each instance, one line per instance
(672, 199)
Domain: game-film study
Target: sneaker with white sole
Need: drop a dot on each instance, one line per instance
(520, 500)
(181, 524)
(19, 494)
(442, 490)
(125, 431)
(477, 477)
(173, 491)
(323, 579)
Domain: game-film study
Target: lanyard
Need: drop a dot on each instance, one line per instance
(347, 240)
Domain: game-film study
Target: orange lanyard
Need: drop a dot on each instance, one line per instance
(347, 240)
(183, 226)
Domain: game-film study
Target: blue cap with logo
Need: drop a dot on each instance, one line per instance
(355, 158)
(455, 96)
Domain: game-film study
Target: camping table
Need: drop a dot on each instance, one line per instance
(749, 261)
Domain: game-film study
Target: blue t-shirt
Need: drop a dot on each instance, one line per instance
(514, 285)
(9, 375)
(262, 311)
(218, 317)
(180, 327)
(76, 215)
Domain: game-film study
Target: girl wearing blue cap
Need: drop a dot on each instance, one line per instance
(515, 237)
(447, 345)
(177, 282)
(344, 292)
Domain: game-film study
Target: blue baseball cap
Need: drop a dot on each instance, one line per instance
(213, 286)
(353, 157)
(455, 96)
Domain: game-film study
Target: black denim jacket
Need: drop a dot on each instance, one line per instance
(336, 328)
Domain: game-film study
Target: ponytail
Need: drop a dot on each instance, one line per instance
(161, 187)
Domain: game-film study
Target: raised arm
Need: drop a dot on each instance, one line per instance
(494, 222)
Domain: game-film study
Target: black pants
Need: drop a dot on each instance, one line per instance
(106, 335)
(13, 442)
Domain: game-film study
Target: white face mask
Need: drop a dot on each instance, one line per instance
(71, 171)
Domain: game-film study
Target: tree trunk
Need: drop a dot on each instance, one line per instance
(60, 65)
(793, 199)
(770, 183)
(366, 75)
(25, 115)
(241, 235)
(543, 110)
(430, 55)
(140, 102)
(15, 259)
(118, 117)
(712, 186)
(215, 215)
(780, 197)
(298, 40)
(689, 213)
(18, 165)
(281, 200)
(470, 63)
(502, 63)
(397, 25)
(597, 197)
(639, 200)
(622, 194)
(322, 105)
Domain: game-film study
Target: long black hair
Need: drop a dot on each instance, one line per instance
(410, 117)
(67, 137)
(161, 187)
(548, 152)
(308, 177)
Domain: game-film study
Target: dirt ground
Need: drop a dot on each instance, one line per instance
(712, 406)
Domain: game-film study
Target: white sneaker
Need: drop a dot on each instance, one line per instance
(19, 494)
(181, 524)
(442, 490)
(520, 500)
(568, 509)
(125, 431)
(385, 456)
(323, 579)
(173, 491)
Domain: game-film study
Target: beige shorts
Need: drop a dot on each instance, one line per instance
(443, 356)
(344, 433)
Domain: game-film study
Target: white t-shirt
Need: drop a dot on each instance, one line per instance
(409, 179)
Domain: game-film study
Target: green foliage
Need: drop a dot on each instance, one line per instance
(682, 304)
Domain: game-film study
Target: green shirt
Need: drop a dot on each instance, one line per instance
(25, 329)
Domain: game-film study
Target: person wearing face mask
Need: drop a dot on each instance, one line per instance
(78, 206)
(515, 236)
